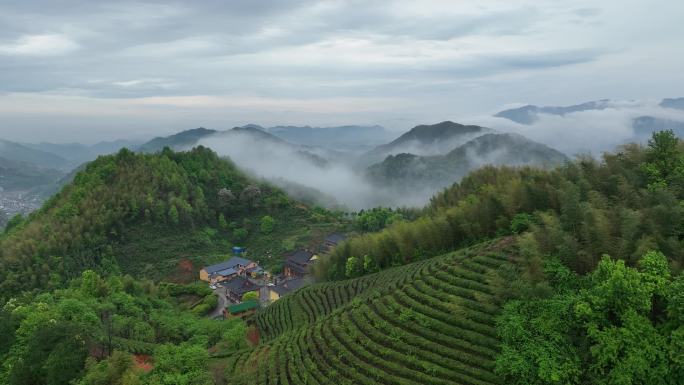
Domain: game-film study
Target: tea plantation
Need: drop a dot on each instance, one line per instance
(430, 322)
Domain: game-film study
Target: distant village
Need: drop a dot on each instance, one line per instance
(243, 286)
(13, 203)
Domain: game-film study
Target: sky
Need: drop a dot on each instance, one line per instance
(88, 71)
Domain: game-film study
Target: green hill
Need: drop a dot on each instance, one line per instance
(431, 134)
(408, 171)
(425, 139)
(145, 214)
(430, 322)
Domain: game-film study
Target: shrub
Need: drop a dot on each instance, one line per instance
(267, 224)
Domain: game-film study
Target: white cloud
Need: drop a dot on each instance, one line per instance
(39, 45)
(586, 132)
(319, 105)
(281, 163)
(141, 83)
(333, 62)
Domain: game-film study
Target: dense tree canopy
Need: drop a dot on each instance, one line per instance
(625, 205)
(58, 337)
(617, 325)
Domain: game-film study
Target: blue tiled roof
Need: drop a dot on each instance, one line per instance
(229, 264)
(225, 272)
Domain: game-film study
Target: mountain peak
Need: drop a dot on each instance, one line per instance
(429, 133)
(251, 125)
(676, 103)
(426, 139)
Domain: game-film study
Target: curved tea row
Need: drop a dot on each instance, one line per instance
(432, 322)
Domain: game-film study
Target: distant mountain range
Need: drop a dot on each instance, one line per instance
(17, 152)
(256, 134)
(643, 125)
(530, 113)
(190, 138)
(676, 103)
(429, 156)
(338, 137)
(409, 171)
(307, 163)
(24, 176)
(77, 153)
(180, 140)
(32, 172)
(346, 136)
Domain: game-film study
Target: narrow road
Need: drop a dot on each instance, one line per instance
(222, 302)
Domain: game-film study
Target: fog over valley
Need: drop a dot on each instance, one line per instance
(358, 167)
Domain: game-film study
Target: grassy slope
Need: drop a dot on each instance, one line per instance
(431, 322)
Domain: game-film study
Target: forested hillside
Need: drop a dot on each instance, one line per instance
(143, 214)
(406, 172)
(624, 205)
(425, 139)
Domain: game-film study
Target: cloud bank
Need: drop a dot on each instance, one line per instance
(587, 132)
(151, 68)
(284, 164)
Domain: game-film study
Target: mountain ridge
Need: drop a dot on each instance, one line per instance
(440, 171)
(21, 153)
(528, 114)
(425, 139)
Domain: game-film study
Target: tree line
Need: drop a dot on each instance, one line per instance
(623, 205)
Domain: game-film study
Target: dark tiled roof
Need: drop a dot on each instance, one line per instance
(289, 286)
(231, 263)
(296, 267)
(300, 257)
(335, 238)
(239, 285)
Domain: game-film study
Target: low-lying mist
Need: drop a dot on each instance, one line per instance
(587, 132)
(286, 167)
(343, 180)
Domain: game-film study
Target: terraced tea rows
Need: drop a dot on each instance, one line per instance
(310, 303)
(431, 322)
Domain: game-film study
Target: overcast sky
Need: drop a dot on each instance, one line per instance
(92, 70)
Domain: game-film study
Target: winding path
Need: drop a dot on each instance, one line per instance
(222, 303)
